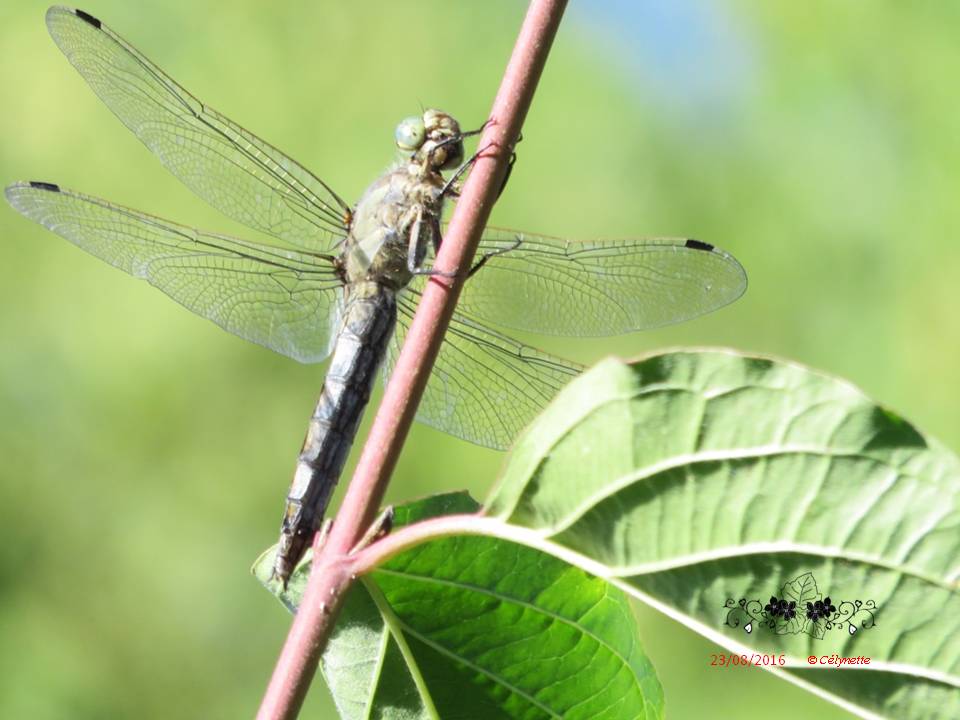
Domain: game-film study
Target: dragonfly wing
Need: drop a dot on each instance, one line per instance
(283, 299)
(558, 287)
(485, 387)
(232, 169)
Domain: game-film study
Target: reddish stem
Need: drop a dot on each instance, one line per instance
(331, 574)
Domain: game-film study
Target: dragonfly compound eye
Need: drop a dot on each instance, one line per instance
(410, 134)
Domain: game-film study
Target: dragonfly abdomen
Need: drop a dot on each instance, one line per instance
(366, 328)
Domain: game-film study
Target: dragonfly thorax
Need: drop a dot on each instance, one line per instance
(398, 217)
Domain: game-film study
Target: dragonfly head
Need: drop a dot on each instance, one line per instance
(434, 139)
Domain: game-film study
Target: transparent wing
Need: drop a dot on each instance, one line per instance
(558, 287)
(485, 387)
(282, 299)
(229, 167)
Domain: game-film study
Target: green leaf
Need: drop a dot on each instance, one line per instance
(696, 480)
(476, 627)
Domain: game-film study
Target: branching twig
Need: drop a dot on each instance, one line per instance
(331, 573)
(375, 555)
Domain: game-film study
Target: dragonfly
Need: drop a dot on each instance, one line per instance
(343, 281)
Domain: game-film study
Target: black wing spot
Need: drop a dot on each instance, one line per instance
(44, 186)
(699, 245)
(88, 18)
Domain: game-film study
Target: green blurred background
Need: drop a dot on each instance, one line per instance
(145, 453)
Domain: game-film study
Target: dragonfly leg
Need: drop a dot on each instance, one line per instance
(438, 241)
(413, 219)
(510, 163)
(416, 245)
(517, 241)
(450, 189)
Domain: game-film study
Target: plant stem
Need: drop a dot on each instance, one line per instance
(331, 574)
